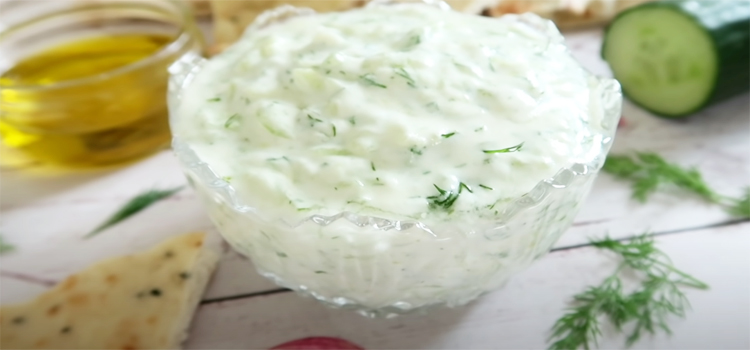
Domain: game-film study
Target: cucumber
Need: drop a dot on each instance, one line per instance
(674, 58)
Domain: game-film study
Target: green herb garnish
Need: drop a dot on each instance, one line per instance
(740, 207)
(313, 120)
(515, 148)
(644, 310)
(215, 99)
(650, 173)
(333, 127)
(462, 66)
(274, 131)
(432, 107)
(5, 247)
(484, 92)
(444, 199)
(445, 136)
(133, 206)
(232, 121)
(486, 187)
(404, 74)
(372, 166)
(413, 41)
(367, 78)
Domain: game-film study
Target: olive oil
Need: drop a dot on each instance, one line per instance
(87, 102)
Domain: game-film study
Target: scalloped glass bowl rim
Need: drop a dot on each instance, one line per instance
(185, 69)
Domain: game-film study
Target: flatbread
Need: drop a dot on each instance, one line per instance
(200, 7)
(232, 17)
(140, 301)
(567, 14)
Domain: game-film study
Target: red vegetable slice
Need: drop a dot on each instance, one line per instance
(317, 343)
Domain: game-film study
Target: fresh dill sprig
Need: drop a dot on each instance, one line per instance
(400, 71)
(313, 120)
(277, 158)
(368, 79)
(740, 207)
(413, 41)
(515, 148)
(5, 247)
(444, 199)
(432, 107)
(646, 309)
(650, 173)
(133, 206)
(448, 135)
(232, 121)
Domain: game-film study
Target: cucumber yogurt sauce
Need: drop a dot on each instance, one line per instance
(405, 112)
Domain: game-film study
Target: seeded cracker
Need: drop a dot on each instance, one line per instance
(140, 301)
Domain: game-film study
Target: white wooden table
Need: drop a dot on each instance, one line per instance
(46, 218)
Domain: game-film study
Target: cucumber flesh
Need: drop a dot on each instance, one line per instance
(664, 60)
(675, 57)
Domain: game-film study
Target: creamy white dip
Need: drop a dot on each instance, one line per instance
(369, 110)
(404, 112)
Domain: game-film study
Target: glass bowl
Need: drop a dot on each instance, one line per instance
(385, 266)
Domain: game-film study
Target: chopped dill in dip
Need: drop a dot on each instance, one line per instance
(389, 68)
(380, 148)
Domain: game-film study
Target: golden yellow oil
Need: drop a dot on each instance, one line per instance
(87, 102)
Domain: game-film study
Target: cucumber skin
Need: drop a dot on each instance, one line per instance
(727, 22)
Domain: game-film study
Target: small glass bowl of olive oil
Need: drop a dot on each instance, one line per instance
(84, 83)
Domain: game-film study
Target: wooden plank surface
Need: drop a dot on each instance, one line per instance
(515, 317)
(46, 216)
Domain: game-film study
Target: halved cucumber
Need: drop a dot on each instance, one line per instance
(674, 58)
